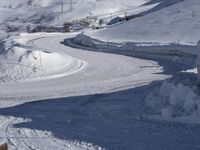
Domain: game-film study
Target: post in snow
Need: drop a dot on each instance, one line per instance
(198, 61)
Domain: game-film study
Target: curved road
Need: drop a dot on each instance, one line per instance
(100, 103)
(103, 73)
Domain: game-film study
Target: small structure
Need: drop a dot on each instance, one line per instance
(54, 29)
(116, 20)
(41, 28)
(67, 26)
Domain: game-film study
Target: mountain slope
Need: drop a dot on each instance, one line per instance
(176, 23)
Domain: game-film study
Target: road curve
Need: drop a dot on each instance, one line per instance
(103, 73)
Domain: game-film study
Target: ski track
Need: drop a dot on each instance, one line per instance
(104, 73)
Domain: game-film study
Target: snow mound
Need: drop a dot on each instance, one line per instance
(20, 61)
(175, 102)
(45, 58)
(135, 47)
(19, 64)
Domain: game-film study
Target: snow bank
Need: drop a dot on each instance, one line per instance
(175, 102)
(21, 61)
(134, 47)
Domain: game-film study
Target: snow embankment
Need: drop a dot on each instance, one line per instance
(19, 60)
(134, 47)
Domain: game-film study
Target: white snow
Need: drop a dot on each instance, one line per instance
(21, 60)
(178, 23)
(24, 12)
(59, 91)
(105, 73)
(175, 102)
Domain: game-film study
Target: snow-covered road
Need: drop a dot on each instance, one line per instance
(96, 73)
(102, 103)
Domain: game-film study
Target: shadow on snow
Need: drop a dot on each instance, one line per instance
(119, 120)
(162, 4)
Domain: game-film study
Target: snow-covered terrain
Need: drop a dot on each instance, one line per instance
(73, 114)
(178, 23)
(93, 79)
(131, 85)
(21, 60)
(21, 13)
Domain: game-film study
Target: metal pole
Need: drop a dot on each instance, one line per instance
(90, 15)
(62, 10)
(41, 67)
(193, 13)
(71, 6)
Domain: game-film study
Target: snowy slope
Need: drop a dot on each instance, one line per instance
(178, 23)
(25, 12)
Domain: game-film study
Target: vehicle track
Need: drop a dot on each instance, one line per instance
(14, 138)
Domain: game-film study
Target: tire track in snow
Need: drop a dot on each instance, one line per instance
(13, 136)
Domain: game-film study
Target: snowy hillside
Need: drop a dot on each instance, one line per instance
(177, 23)
(56, 12)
